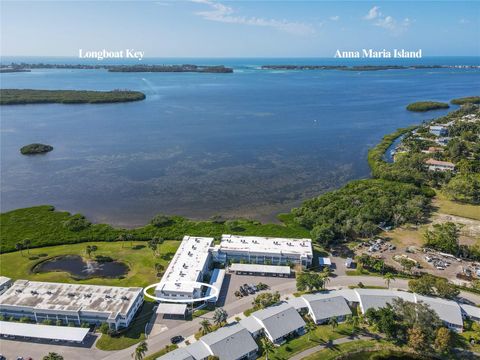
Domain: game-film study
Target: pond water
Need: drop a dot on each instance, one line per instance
(78, 268)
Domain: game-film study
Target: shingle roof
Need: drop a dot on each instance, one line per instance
(324, 306)
(198, 350)
(279, 320)
(230, 342)
(470, 310)
(177, 354)
(251, 324)
(447, 310)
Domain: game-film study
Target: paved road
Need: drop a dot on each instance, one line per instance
(11, 349)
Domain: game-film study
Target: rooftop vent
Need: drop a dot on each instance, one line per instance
(108, 296)
(18, 290)
(124, 297)
(71, 294)
(49, 292)
(34, 292)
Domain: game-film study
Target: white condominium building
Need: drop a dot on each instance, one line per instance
(264, 250)
(186, 269)
(71, 303)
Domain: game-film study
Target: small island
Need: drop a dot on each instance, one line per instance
(422, 106)
(33, 149)
(29, 96)
(466, 100)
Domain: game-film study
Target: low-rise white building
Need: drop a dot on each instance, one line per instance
(436, 165)
(264, 250)
(277, 322)
(186, 269)
(71, 303)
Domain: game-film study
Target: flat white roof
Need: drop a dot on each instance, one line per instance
(171, 309)
(186, 266)
(257, 268)
(4, 280)
(324, 261)
(218, 275)
(54, 297)
(65, 333)
(266, 245)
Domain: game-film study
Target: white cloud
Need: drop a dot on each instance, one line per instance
(335, 18)
(373, 13)
(223, 13)
(386, 21)
(463, 21)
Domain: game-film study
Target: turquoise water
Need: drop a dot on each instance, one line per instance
(252, 143)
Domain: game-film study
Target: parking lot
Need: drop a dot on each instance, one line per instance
(233, 282)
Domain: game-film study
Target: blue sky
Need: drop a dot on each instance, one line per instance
(209, 28)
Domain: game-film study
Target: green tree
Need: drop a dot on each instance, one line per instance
(309, 281)
(333, 322)
(26, 244)
(416, 339)
(153, 245)
(220, 316)
(206, 327)
(388, 277)
(161, 220)
(323, 234)
(443, 340)
(140, 351)
(104, 328)
(19, 246)
(53, 356)
(309, 327)
(268, 347)
(443, 237)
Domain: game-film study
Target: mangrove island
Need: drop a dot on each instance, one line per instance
(35, 148)
(422, 106)
(29, 96)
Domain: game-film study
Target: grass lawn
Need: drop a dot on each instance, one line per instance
(450, 207)
(133, 335)
(342, 349)
(139, 258)
(157, 354)
(320, 335)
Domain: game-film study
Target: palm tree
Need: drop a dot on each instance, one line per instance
(206, 327)
(140, 351)
(310, 326)
(333, 322)
(220, 316)
(388, 277)
(122, 238)
(268, 347)
(53, 356)
(19, 246)
(27, 243)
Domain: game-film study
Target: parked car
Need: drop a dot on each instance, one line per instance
(176, 339)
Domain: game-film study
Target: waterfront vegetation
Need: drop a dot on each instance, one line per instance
(29, 96)
(422, 106)
(360, 208)
(466, 100)
(35, 148)
(43, 226)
